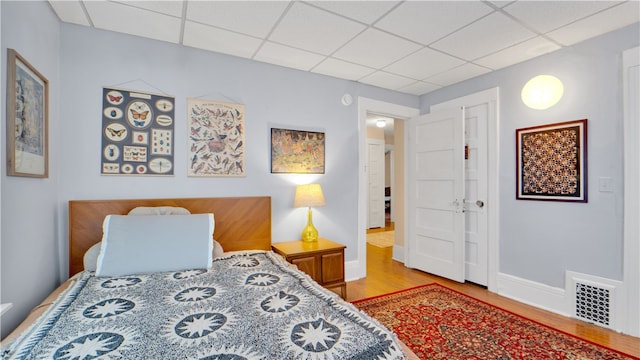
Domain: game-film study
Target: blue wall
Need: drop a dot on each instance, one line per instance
(30, 247)
(540, 240)
(79, 61)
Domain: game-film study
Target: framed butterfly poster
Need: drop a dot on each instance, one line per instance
(216, 138)
(27, 119)
(137, 133)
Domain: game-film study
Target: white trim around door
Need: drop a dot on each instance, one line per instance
(631, 270)
(358, 269)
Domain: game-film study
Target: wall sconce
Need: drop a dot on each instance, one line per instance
(542, 92)
(381, 123)
(307, 196)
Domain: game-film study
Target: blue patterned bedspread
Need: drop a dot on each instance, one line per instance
(249, 305)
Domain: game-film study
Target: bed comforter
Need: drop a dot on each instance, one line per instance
(249, 305)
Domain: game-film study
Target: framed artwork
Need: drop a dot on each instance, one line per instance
(299, 152)
(552, 162)
(216, 138)
(137, 133)
(27, 119)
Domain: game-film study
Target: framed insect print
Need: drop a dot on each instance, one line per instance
(552, 162)
(295, 151)
(137, 133)
(27, 119)
(216, 138)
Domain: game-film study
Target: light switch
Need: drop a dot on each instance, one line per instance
(605, 184)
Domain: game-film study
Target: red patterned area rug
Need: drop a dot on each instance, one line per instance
(440, 323)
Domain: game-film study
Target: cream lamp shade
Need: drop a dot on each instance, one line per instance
(307, 196)
(542, 92)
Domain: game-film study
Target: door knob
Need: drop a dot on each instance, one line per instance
(480, 204)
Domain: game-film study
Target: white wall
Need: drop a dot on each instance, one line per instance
(540, 240)
(34, 213)
(29, 244)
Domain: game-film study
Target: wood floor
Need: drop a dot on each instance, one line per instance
(385, 275)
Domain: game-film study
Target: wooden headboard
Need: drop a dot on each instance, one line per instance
(241, 223)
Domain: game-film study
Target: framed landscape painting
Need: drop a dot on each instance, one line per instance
(295, 151)
(27, 119)
(552, 162)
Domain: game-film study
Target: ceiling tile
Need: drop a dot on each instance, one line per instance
(487, 35)
(256, 18)
(218, 40)
(286, 56)
(428, 21)
(387, 49)
(419, 88)
(130, 20)
(544, 16)
(386, 80)
(364, 11)
(603, 22)
(518, 53)
(309, 28)
(413, 66)
(70, 11)
(342, 69)
(173, 7)
(461, 73)
(501, 4)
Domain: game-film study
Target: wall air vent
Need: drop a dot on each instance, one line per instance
(594, 299)
(593, 304)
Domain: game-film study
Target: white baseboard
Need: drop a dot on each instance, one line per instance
(398, 253)
(532, 293)
(352, 270)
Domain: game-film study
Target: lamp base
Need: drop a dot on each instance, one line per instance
(309, 233)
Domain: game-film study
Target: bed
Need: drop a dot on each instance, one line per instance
(246, 302)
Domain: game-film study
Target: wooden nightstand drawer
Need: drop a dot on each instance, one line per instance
(323, 261)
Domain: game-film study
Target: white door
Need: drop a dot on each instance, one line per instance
(436, 194)
(375, 153)
(476, 193)
(480, 198)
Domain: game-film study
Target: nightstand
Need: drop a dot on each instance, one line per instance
(322, 260)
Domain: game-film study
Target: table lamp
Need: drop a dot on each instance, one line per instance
(307, 196)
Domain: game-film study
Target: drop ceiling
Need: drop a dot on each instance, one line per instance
(413, 47)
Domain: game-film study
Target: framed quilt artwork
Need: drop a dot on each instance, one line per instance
(552, 162)
(216, 140)
(27, 119)
(137, 133)
(294, 151)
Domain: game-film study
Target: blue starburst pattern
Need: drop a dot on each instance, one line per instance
(315, 336)
(107, 308)
(195, 293)
(247, 262)
(266, 311)
(199, 325)
(181, 275)
(116, 283)
(279, 302)
(262, 279)
(89, 346)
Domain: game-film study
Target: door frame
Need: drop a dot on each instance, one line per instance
(631, 126)
(366, 105)
(491, 97)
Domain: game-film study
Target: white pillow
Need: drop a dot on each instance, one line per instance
(90, 259)
(147, 244)
(159, 210)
